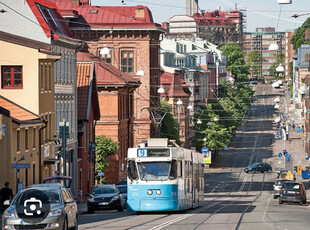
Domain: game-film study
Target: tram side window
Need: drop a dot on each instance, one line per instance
(173, 172)
(180, 168)
(132, 170)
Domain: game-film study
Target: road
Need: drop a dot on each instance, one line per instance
(233, 198)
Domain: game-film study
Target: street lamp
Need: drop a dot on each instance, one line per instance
(205, 141)
(140, 72)
(179, 103)
(105, 51)
(161, 90)
(199, 122)
(215, 119)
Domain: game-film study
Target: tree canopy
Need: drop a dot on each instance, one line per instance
(279, 61)
(169, 126)
(298, 38)
(235, 61)
(254, 61)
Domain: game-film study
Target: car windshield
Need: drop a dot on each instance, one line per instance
(122, 189)
(291, 186)
(51, 196)
(104, 190)
(254, 165)
(281, 182)
(154, 170)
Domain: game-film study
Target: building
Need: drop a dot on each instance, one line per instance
(260, 41)
(217, 27)
(88, 115)
(132, 38)
(289, 52)
(41, 22)
(19, 143)
(116, 101)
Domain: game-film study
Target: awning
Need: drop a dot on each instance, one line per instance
(50, 161)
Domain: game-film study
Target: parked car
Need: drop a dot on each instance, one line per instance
(277, 187)
(105, 197)
(41, 206)
(258, 167)
(293, 192)
(123, 191)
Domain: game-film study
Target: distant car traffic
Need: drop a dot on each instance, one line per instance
(47, 206)
(105, 197)
(277, 187)
(258, 167)
(123, 191)
(293, 192)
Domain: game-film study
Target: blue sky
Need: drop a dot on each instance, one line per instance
(260, 13)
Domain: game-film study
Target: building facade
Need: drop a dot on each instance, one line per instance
(260, 41)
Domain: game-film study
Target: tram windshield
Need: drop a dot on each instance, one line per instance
(156, 171)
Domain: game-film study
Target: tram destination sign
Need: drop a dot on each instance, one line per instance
(153, 152)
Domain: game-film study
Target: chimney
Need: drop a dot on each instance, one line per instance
(195, 7)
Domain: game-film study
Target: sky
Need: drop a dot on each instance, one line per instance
(260, 13)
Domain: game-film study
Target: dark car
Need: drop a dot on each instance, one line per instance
(277, 187)
(105, 197)
(258, 167)
(293, 192)
(123, 191)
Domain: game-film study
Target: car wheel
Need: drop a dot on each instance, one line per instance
(280, 201)
(65, 226)
(275, 197)
(90, 210)
(120, 209)
(269, 170)
(254, 171)
(301, 203)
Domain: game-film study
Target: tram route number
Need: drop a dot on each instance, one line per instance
(142, 153)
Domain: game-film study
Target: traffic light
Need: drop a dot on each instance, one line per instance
(91, 148)
(295, 168)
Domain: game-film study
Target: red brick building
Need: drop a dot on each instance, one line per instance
(116, 99)
(133, 39)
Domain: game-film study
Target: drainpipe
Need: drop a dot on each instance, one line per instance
(40, 152)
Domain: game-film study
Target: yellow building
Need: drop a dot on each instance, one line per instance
(27, 80)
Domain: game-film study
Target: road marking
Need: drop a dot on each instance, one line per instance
(243, 184)
(266, 210)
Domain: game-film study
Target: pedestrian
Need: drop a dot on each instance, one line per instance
(6, 193)
(293, 126)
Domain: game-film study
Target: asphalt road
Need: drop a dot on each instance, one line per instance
(233, 199)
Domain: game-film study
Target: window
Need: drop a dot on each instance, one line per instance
(127, 61)
(12, 77)
(34, 137)
(18, 140)
(26, 139)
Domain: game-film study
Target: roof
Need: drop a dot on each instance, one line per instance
(174, 85)
(108, 75)
(86, 85)
(217, 17)
(49, 18)
(18, 113)
(111, 16)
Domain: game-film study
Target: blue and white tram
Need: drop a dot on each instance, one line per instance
(164, 177)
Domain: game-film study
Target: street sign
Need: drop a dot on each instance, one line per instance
(284, 151)
(204, 150)
(20, 166)
(287, 115)
(278, 136)
(280, 155)
(299, 130)
(288, 156)
(101, 174)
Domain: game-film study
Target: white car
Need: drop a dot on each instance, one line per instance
(275, 85)
(280, 82)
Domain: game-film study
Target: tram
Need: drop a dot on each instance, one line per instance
(163, 176)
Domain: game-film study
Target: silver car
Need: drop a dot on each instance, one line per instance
(277, 187)
(42, 207)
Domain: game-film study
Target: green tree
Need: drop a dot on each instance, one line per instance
(169, 126)
(104, 147)
(298, 38)
(273, 67)
(254, 63)
(235, 61)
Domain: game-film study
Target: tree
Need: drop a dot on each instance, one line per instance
(273, 67)
(104, 147)
(298, 38)
(254, 63)
(235, 61)
(169, 126)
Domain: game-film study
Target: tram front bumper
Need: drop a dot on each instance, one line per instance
(158, 204)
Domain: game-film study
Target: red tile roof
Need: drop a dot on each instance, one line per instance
(51, 22)
(18, 113)
(111, 16)
(84, 77)
(107, 74)
(173, 84)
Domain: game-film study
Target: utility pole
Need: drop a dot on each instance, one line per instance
(64, 134)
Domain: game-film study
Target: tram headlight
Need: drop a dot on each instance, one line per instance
(149, 192)
(158, 192)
